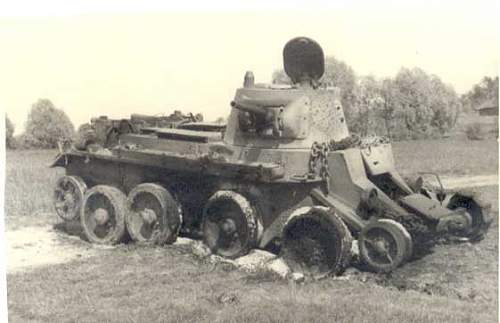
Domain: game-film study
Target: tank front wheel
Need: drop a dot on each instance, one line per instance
(103, 214)
(316, 241)
(384, 245)
(230, 224)
(154, 215)
(68, 197)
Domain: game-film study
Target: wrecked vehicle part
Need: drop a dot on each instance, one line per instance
(284, 172)
(465, 202)
(479, 211)
(316, 241)
(106, 132)
(384, 245)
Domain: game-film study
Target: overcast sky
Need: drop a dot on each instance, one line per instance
(95, 57)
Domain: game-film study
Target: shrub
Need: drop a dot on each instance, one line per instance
(473, 131)
(46, 125)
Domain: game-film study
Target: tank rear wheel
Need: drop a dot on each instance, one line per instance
(316, 242)
(68, 197)
(479, 212)
(103, 214)
(154, 215)
(384, 245)
(230, 224)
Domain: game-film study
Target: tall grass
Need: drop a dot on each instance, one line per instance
(29, 184)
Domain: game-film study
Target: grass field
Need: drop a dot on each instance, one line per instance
(456, 283)
(447, 156)
(28, 187)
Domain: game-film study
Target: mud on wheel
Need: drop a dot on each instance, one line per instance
(68, 197)
(103, 214)
(384, 245)
(154, 215)
(317, 242)
(230, 225)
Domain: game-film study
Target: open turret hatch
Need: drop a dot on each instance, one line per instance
(303, 60)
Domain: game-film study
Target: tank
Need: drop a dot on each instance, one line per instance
(284, 174)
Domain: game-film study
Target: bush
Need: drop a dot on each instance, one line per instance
(9, 133)
(473, 132)
(46, 125)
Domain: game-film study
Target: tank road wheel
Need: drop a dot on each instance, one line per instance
(230, 224)
(479, 212)
(154, 215)
(68, 197)
(316, 241)
(103, 214)
(384, 245)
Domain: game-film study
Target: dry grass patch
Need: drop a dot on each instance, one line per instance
(447, 156)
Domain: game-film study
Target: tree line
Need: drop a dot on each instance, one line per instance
(411, 105)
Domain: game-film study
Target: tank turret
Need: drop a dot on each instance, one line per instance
(288, 116)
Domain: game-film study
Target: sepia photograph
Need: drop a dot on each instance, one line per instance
(237, 161)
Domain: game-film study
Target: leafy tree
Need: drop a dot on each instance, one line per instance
(366, 111)
(390, 105)
(486, 89)
(445, 105)
(429, 106)
(9, 133)
(46, 125)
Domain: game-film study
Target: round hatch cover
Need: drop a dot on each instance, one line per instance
(303, 59)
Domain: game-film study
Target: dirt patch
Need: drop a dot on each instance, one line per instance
(32, 247)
